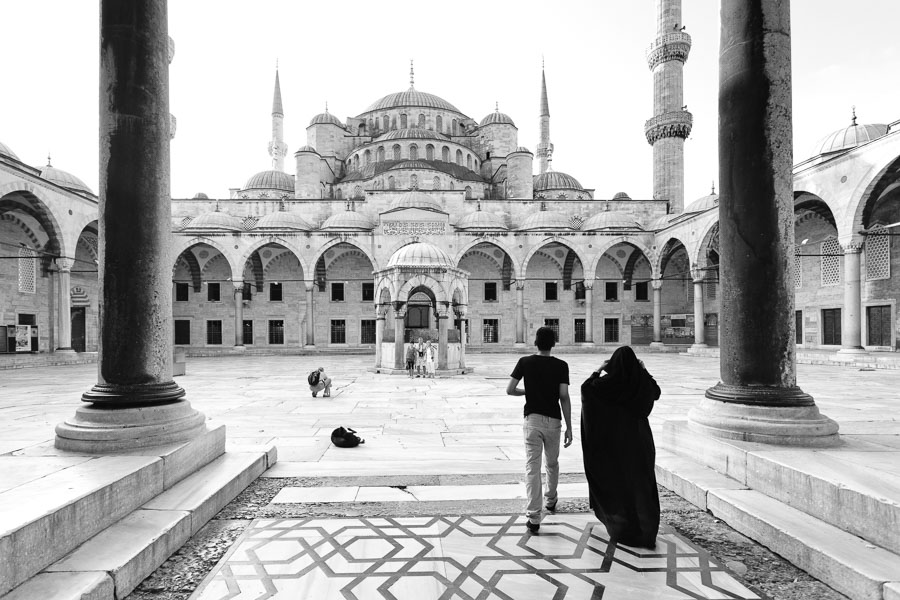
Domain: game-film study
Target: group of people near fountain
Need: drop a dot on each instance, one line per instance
(616, 441)
(420, 359)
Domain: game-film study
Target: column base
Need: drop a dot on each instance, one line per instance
(782, 425)
(657, 345)
(240, 348)
(99, 428)
(852, 350)
(519, 345)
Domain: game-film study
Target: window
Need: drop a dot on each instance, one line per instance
(27, 319)
(379, 154)
(642, 291)
(182, 332)
(612, 291)
(413, 182)
(554, 325)
(276, 332)
(468, 192)
(27, 270)
(392, 184)
(429, 152)
(490, 291)
(436, 183)
(878, 255)
(368, 291)
(798, 269)
(579, 290)
(402, 121)
(611, 331)
(878, 325)
(367, 331)
(459, 158)
(247, 336)
(181, 292)
(439, 124)
(445, 154)
(831, 327)
(396, 151)
(247, 292)
(213, 292)
(550, 292)
(214, 333)
(580, 331)
(338, 331)
(469, 161)
(490, 331)
(421, 121)
(417, 316)
(387, 122)
(831, 262)
(413, 152)
(337, 291)
(710, 289)
(798, 326)
(276, 292)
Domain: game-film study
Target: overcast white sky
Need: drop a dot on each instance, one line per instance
(471, 53)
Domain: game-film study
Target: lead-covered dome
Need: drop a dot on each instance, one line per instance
(349, 219)
(481, 221)
(849, 137)
(216, 221)
(325, 118)
(416, 199)
(64, 179)
(546, 219)
(283, 220)
(411, 97)
(497, 118)
(703, 204)
(610, 220)
(420, 254)
(555, 180)
(414, 134)
(7, 151)
(270, 180)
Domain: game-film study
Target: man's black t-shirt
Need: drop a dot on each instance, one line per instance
(542, 375)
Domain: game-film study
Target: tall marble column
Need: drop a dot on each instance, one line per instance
(64, 305)
(239, 315)
(656, 286)
(520, 312)
(135, 402)
(442, 338)
(758, 398)
(310, 323)
(588, 312)
(399, 330)
(851, 326)
(699, 317)
(462, 336)
(380, 314)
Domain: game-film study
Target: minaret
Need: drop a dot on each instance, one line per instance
(671, 122)
(545, 148)
(277, 147)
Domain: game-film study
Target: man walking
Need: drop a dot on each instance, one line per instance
(546, 392)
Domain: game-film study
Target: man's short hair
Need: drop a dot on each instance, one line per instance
(544, 338)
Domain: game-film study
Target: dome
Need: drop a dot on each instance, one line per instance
(283, 220)
(326, 118)
(621, 196)
(702, 204)
(7, 151)
(497, 118)
(660, 222)
(523, 149)
(270, 180)
(416, 199)
(64, 179)
(200, 196)
(546, 219)
(307, 149)
(348, 219)
(420, 254)
(555, 180)
(482, 221)
(849, 137)
(411, 97)
(610, 220)
(216, 220)
(416, 134)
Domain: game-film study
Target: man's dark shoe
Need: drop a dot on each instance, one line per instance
(550, 507)
(532, 527)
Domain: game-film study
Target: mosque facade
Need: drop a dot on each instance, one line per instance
(412, 219)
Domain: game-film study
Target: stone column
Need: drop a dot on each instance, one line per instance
(238, 315)
(399, 355)
(135, 402)
(64, 305)
(380, 314)
(520, 313)
(758, 398)
(462, 337)
(588, 313)
(656, 285)
(310, 325)
(851, 326)
(442, 338)
(699, 332)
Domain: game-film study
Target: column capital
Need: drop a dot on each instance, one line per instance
(853, 246)
(588, 285)
(520, 285)
(238, 286)
(381, 311)
(64, 264)
(656, 284)
(461, 311)
(698, 275)
(310, 284)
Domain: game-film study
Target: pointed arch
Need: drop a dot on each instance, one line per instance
(320, 253)
(423, 280)
(180, 244)
(523, 267)
(37, 203)
(277, 241)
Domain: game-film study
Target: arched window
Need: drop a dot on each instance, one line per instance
(469, 161)
(436, 183)
(831, 262)
(413, 152)
(468, 192)
(387, 122)
(379, 154)
(361, 130)
(459, 157)
(453, 127)
(358, 192)
(445, 154)
(368, 157)
(414, 182)
(439, 124)
(878, 253)
(421, 121)
(27, 270)
(356, 162)
(452, 187)
(402, 121)
(393, 122)
(396, 151)
(562, 196)
(339, 194)
(372, 126)
(429, 152)
(392, 185)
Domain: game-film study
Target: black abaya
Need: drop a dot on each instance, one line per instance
(619, 454)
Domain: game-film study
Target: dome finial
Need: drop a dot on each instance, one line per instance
(854, 114)
(48, 159)
(412, 75)
(326, 107)
(496, 107)
(714, 187)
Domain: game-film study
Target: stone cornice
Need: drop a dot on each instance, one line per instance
(671, 46)
(668, 125)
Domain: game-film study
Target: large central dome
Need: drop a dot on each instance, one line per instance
(411, 97)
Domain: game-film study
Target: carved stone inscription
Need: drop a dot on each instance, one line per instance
(413, 227)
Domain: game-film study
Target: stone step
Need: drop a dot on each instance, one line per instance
(690, 480)
(848, 563)
(113, 562)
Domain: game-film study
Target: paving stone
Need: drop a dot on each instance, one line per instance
(65, 586)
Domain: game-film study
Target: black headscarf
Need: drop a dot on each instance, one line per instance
(626, 382)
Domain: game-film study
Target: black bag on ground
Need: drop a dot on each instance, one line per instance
(346, 438)
(313, 378)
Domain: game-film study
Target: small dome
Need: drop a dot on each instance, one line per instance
(482, 221)
(200, 196)
(702, 204)
(7, 151)
(660, 222)
(416, 199)
(270, 180)
(283, 220)
(555, 180)
(546, 219)
(849, 137)
(621, 196)
(411, 97)
(64, 179)
(348, 219)
(325, 118)
(610, 220)
(420, 254)
(523, 149)
(415, 134)
(497, 118)
(307, 149)
(216, 220)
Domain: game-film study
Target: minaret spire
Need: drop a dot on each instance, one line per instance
(412, 76)
(545, 148)
(277, 147)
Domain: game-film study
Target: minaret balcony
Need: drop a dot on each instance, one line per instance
(668, 125)
(675, 45)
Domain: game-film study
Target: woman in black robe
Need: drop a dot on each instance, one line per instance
(619, 454)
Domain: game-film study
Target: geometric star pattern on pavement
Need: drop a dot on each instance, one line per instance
(472, 557)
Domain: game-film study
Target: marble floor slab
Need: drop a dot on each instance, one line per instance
(460, 558)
